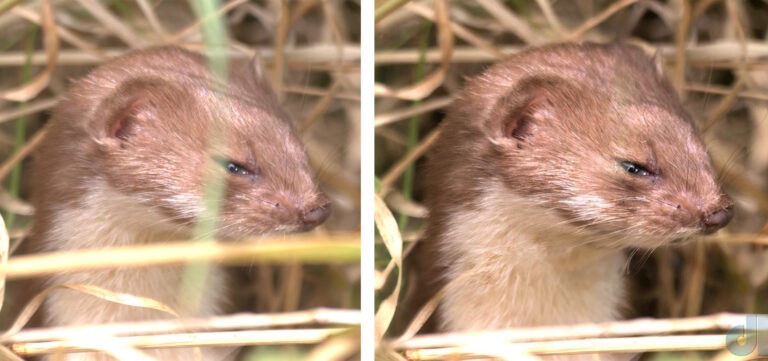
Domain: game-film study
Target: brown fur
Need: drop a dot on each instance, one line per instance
(125, 161)
(527, 194)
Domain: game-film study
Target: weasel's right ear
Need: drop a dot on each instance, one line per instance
(521, 111)
(519, 122)
(126, 112)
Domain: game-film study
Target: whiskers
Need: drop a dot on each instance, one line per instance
(617, 229)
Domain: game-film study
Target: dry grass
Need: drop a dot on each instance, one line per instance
(311, 50)
(715, 54)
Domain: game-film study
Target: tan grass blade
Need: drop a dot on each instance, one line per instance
(107, 295)
(615, 329)
(390, 234)
(4, 251)
(399, 168)
(511, 22)
(338, 348)
(121, 298)
(178, 37)
(51, 41)
(432, 81)
(6, 5)
(29, 108)
(241, 321)
(6, 354)
(337, 248)
(583, 346)
(119, 351)
(599, 18)
(112, 23)
(459, 31)
(65, 34)
(200, 339)
(7, 166)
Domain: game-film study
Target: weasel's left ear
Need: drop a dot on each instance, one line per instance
(658, 62)
(256, 71)
(254, 65)
(255, 77)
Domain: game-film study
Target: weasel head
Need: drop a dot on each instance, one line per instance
(186, 146)
(600, 139)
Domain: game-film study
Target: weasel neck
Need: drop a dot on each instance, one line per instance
(515, 265)
(105, 218)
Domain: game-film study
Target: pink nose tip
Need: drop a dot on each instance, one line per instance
(316, 215)
(717, 219)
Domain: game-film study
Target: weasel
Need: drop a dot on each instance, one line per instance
(547, 166)
(124, 163)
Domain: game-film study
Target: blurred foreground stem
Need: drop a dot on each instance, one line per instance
(413, 123)
(215, 38)
(20, 127)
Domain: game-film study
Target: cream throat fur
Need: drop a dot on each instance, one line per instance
(106, 218)
(122, 222)
(514, 269)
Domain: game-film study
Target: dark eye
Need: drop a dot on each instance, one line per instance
(636, 169)
(237, 169)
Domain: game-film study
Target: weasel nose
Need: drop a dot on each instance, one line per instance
(316, 215)
(717, 219)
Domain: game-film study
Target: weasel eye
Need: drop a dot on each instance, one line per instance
(237, 169)
(636, 169)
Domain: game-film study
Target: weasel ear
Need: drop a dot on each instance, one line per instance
(255, 78)
(519, 123)
(658, 62)
(527, 107)
(256, 70)
(121, 116)
(517, 115)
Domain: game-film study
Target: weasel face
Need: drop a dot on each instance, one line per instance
(613, 153)
(641, 175)
(269, 180)
(168, 145)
